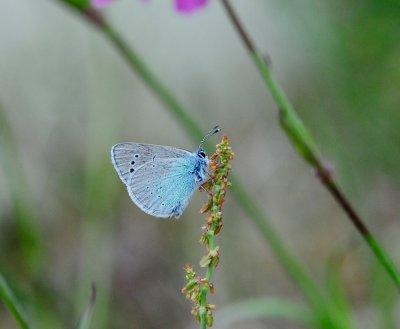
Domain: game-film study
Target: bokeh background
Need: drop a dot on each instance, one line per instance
(66, 96)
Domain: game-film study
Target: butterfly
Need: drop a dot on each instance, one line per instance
(161, 179)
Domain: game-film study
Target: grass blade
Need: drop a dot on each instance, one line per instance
(10, 301)
(86, 319)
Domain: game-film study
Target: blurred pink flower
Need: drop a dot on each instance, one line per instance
(184, 6)
(188, 6)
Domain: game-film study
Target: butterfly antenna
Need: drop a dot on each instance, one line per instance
(209, 134)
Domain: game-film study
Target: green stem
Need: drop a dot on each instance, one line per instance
(9, 299)
(210, 271)
(202, 309)
(250, 206)
(303, 142)
(385, 260)
(373, 243)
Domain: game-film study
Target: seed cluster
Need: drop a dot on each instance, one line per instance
(196, 287)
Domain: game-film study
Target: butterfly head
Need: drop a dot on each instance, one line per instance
(201, 154)
(201, 168)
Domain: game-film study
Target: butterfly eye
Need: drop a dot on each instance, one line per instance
(201, 154)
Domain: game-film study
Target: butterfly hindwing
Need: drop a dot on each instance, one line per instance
(128, 157)
(163, 187)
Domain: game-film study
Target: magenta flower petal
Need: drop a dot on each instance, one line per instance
(187, 6)
(100, 3)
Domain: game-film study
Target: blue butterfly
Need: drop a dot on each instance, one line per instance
(161, 179)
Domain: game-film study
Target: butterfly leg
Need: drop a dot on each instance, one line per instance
(210, 179)
(210, 173)
(204, 189)
(178, 210)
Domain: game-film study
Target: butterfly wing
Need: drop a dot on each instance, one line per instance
(162, 188)
(128, 157)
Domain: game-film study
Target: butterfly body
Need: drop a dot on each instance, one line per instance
(160, 179)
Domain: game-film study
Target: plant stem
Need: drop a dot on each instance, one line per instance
(210, 270)
(9, 299)
(304, 144)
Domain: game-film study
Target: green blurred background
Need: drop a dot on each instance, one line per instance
(66, 96)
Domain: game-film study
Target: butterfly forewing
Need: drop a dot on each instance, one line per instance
(163, 187)
(128, 157)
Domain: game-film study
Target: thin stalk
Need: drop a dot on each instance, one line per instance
(295, 269)
(9, 300)
(303, 142)
(209, 274)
